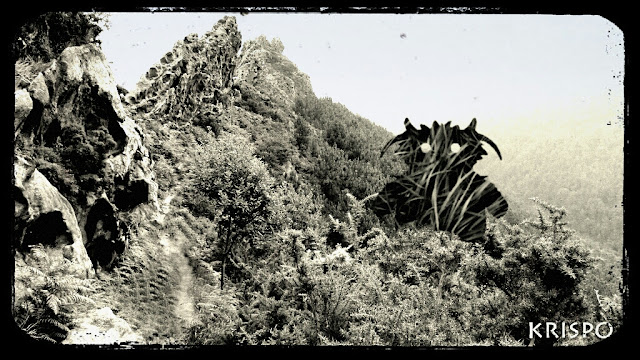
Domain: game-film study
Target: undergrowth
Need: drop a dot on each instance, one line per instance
(140, 288)
(46, 295)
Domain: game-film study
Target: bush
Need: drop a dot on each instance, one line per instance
(538, 276)
(218, 321)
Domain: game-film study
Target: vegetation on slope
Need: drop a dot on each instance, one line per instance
(268, 201)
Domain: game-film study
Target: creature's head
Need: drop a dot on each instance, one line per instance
(443, 147)
(440, 187)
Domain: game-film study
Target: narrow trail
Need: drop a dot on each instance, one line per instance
(173, 241)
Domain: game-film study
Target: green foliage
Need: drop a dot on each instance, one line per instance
(141, 287)
(415, 294)
(251, 100)
(48, 161)
(343, 150)
(330, 301)
(302, 134)
(74, 161)
(357, 230)
(47, 35)
(274, 147)
(218, 320)
(235, 190)
(47, 293)
(539, 274)
(356, 136)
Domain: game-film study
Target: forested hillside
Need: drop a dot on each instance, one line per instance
(221, 202)
(590, 190)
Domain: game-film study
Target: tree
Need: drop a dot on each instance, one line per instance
(234, 189)
(46, 36)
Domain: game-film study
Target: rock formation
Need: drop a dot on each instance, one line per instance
(75, 133)
(201, 77)
(102, 327)
(23, 107)
(191, 82)
(44, 216)
(264, 69)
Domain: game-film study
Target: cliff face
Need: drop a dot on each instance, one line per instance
(44, 216)
(80, 160)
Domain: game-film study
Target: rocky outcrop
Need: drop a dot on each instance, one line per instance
(201, 77)
(193, 80)
(263, 68)
(23, 107)
(44, 216)
(102, 327)
(95, 152)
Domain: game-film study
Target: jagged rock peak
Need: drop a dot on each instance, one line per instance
(196, 75)
(263, 68)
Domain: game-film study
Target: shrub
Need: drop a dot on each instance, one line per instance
(218, 321)
(538, 275)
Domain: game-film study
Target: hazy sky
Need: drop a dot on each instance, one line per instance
(513, 71)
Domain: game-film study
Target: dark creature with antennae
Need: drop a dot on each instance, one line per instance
(440, 188)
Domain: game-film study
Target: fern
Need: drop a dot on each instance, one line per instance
(50, 293)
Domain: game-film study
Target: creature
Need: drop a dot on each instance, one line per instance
(440, 188)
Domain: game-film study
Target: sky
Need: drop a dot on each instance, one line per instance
(551, 73)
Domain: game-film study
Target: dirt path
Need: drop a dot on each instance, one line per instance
(173, 245)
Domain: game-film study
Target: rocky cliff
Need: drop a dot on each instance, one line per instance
(263, 69)
(191, 82)
(44, 216)
(201, 78)
(81, 161)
